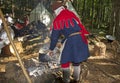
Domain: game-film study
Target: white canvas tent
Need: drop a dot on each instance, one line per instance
(42, 14)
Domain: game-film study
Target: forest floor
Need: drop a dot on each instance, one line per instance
(97, 69)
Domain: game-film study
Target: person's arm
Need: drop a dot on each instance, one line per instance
(54, 39)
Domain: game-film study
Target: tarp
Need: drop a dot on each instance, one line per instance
(42, 14)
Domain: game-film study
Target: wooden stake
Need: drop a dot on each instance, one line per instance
(15, 50)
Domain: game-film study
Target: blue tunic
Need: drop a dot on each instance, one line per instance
(75, 49)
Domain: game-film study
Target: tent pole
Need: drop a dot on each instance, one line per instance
(15, 50)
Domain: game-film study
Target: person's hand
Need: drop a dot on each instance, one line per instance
(50, 53)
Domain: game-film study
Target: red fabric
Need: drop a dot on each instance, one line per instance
(18, 26)
(62, 19)
(65, 65)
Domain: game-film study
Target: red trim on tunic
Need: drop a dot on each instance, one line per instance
(66, 16)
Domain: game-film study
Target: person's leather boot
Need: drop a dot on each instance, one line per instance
(66, 75)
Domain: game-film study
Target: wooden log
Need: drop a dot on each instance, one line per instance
(6, 51)
(18, 45)
(9, 51)
(99, 49)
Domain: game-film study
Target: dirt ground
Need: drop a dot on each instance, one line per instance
(97, 69)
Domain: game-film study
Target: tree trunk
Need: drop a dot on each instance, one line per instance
(115, 20)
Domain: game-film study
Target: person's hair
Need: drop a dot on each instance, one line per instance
(56, 4)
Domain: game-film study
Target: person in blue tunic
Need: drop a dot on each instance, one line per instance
(75, 47)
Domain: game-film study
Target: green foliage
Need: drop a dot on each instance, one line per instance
(95, 14)
(19, 7)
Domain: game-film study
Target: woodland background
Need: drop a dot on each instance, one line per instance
(99, 16)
